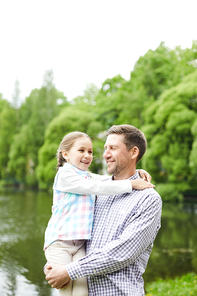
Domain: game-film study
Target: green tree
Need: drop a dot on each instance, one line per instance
(7, 130)
(153, 73)
(163, 68)
(108, 101)
(88, 99)
(35, 114)
(16, 95)
(120, 101)
(171, 133)
(16, 102)
(193, 154)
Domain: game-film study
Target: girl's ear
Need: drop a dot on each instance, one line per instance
(65, 155)
(134, 152)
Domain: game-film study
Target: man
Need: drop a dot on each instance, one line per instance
(125, 226)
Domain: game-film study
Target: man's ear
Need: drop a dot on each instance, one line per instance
(134, 152)
(65, 155)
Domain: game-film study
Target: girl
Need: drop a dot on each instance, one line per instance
(74, 191)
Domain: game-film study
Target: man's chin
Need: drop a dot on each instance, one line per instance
(110, 171)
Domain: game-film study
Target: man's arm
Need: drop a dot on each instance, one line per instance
(138, 234)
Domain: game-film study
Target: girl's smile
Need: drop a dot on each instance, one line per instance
(80, 155)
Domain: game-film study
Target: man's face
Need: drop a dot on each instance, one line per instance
(117, 157)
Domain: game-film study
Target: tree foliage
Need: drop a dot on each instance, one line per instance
(171, 131)
(35, 114)
(160, 98)
(8, 121)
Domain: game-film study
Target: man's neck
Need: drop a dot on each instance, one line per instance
(124, 176)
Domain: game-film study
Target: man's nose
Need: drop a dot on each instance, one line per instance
(106, 153)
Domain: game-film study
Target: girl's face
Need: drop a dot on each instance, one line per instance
(80, 155)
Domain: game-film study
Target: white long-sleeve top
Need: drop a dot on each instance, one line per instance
(70, 181)
(73, 202)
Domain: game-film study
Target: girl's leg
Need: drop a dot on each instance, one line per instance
(58, 253)
(80, 287)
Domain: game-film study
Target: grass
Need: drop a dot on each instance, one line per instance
(180, 286)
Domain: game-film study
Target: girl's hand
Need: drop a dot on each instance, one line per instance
(141, 184)
(144, 175)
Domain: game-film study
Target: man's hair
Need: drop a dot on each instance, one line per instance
(132, 137)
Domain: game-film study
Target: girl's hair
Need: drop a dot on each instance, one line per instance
(66, 144)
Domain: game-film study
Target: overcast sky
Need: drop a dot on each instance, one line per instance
(85, 41)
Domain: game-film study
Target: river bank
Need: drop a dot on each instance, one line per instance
(185, 285)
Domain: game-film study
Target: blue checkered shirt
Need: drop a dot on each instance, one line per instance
(125, 227)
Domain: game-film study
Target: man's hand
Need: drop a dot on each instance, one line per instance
(58, 276)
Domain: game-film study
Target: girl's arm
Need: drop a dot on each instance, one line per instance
(143, 174)
(70, 181)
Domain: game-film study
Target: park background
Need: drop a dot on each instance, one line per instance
(159, 96)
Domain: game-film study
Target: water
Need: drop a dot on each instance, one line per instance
(23, 219)
(175, 248)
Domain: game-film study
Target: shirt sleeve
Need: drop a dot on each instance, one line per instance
(98, 177)
(69, 181)
(138, 235)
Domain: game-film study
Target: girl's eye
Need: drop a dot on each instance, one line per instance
(90, 152)
(81, 150)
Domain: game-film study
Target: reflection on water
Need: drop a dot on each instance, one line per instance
(175, 248)
(23, 219)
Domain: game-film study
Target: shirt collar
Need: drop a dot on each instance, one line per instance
(135, 176)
